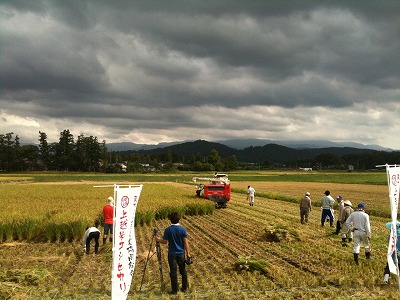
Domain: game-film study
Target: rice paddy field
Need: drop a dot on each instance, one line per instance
(233, 257)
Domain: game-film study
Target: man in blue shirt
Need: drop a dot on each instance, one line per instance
(176, 237)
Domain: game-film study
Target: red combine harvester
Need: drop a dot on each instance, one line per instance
(217, 189)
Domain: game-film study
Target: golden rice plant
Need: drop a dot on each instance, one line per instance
(8, 232)
(61, 212)
(24, 229)
(15, 178)
(251, 264)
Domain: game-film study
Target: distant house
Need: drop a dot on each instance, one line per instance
(118, 167)
(305, 169)
(146, 167)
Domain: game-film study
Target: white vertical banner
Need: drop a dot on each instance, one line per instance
(124, 241)
(393, 173)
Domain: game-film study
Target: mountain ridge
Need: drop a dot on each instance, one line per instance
(269, 154)
(240, 144)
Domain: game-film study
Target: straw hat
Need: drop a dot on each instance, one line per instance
(347, 202)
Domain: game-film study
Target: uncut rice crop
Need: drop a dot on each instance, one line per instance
(15, 178)
(61, 212)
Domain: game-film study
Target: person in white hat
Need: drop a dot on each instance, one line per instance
(339, 200)
(358, 222)
(108, 219)
(305, 208)
(346, 232)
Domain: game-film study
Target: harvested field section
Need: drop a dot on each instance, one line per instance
(375, 196)
(317, 266)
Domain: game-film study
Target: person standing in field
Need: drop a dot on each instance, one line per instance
(108, 219)
(339, 200)
(386, 273)
(305, 208)
(90, 234)
(326, 203)
(358, 222)
(347, 234)
(251, 193)
(176, 237)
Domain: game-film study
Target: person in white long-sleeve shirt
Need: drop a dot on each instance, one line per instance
(358, 222)
(326, 204)
(90, 234)
(251, 192)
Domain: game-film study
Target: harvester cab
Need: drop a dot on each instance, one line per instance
(216, 188)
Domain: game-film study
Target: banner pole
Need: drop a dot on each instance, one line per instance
(124, 252)
(393, 179)
(397, 266)
(114, 238)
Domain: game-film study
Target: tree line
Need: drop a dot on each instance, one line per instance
(87, 154)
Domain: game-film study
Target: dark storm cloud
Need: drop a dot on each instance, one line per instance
(155, 64)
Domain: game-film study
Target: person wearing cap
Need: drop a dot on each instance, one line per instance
(358, 222)
(346, 232)
(176, 237)
(305, 208)
(108, 219)
(326, 203)
(339, 200)
(386, 273)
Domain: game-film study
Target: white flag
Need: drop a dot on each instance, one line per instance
(393, 174)
(124, 242)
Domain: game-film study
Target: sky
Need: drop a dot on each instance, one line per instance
(164, 71)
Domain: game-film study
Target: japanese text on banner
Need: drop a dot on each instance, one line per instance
(394, 184)
(124, 250)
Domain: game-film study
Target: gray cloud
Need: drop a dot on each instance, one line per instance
(155, 71)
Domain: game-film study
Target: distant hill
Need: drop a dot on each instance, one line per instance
(199, 148)
(126, 146)
(282, 154)
(241, 144)
(253, 154)
(301, 144)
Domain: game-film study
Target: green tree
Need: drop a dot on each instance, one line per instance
(65, 151)
(329, 160)
(44, 150)
(169, 156)
(18, 159)
(104, 156)
(7, 154)
(88, 153)
(230, 163)
(30, 154)
(215, 160)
